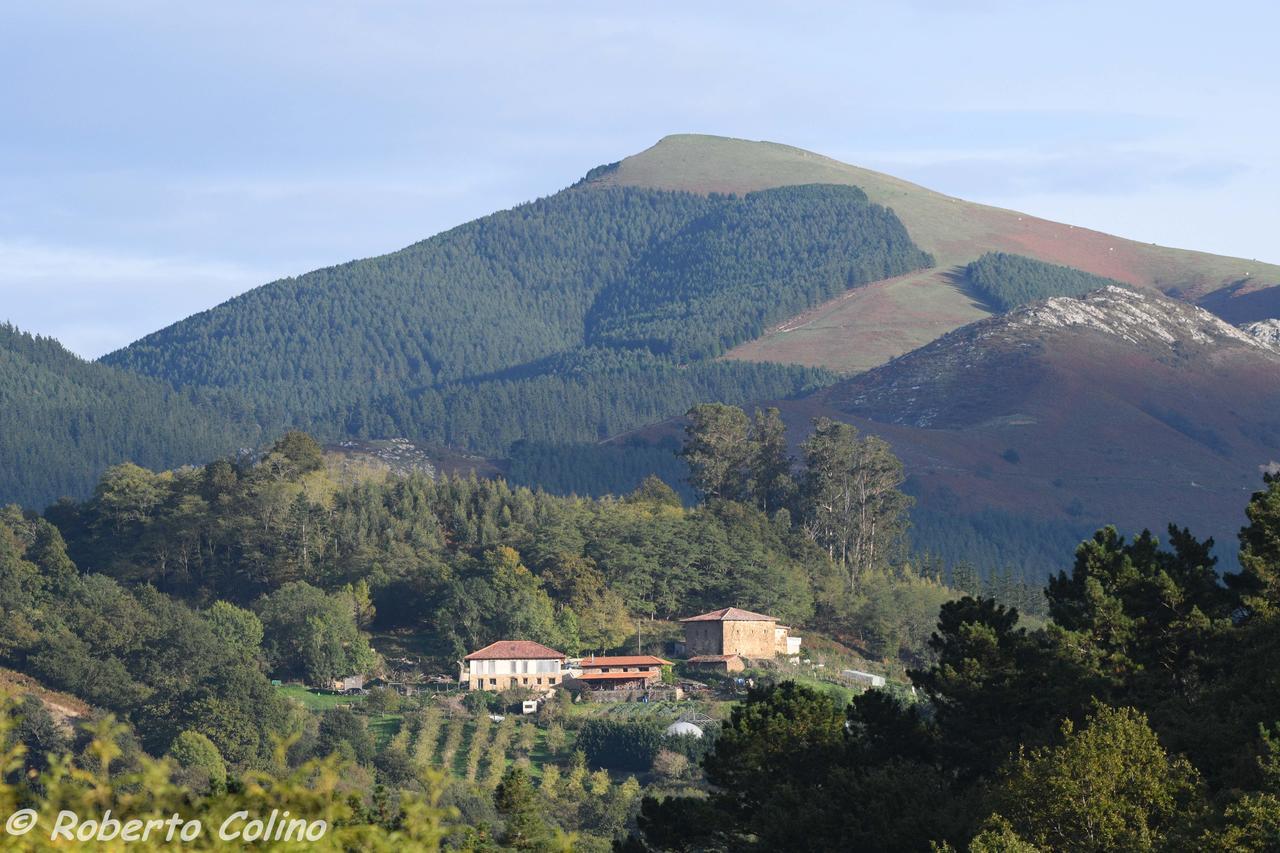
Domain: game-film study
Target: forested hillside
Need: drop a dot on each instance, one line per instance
(568, 571)
(567, 319)
(176, 595)
(63, 420)
(585, 395)
(748, 263)
(1142, 717)
(1143, 710)
(1010, 281)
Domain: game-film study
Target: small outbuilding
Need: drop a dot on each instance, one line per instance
(867, 679)
(682, 728)
(621, 672)
(718, 663)
(348, 684)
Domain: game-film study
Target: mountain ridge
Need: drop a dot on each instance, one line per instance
(64, 419)
(1120, 406)
(1024, 432)
(861, 329)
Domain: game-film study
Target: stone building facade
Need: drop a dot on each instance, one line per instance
(734, 631)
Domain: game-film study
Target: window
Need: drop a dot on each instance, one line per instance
(493, 682)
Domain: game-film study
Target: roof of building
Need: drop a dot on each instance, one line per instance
(515, 650)
(682, 728)
(730, 614)
(711, 658)
(625, 660)
(615, 676)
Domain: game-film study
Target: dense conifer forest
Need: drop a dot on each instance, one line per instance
(567, 319)
(63, 420)
(1010, 281)
(750, 262)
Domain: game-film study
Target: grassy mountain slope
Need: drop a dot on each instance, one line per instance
(63, 420)
(566, 319)
(868, 326)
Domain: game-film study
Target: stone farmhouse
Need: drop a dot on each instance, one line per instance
(733, 632)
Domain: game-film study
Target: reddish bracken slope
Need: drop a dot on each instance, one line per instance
(1118, 406)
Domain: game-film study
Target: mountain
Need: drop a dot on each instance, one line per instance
(1120, 406)
(701, 269)
(607, 305)
(592, 311)
(1023, 433)
(868, 326)
(63, 420)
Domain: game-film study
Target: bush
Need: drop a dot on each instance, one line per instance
(619, 745)
(197, 754)
(340, 726)
(692, 748)
(395, 767)
(382, 700)
(481, 700)
(671, 766)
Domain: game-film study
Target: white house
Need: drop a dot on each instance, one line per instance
(512, 663)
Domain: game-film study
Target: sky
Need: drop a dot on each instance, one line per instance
(158, 158)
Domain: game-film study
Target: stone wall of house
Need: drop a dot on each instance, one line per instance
(754, 639)
(702, 638)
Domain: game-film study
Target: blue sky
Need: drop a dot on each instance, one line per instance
(158, 158)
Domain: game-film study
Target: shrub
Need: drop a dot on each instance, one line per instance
(619, 745)
(194, 752)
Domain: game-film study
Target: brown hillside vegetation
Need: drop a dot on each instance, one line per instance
(1117, 406)
(870, 325)
(64, 707)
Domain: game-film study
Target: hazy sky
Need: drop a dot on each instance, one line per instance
(157, 158)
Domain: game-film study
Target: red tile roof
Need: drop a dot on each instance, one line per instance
(515, 650)
(730, 614)
(626, 660)
(616, 676)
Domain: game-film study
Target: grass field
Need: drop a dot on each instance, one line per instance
(384, 727)
(839, 694)
(315, 701)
